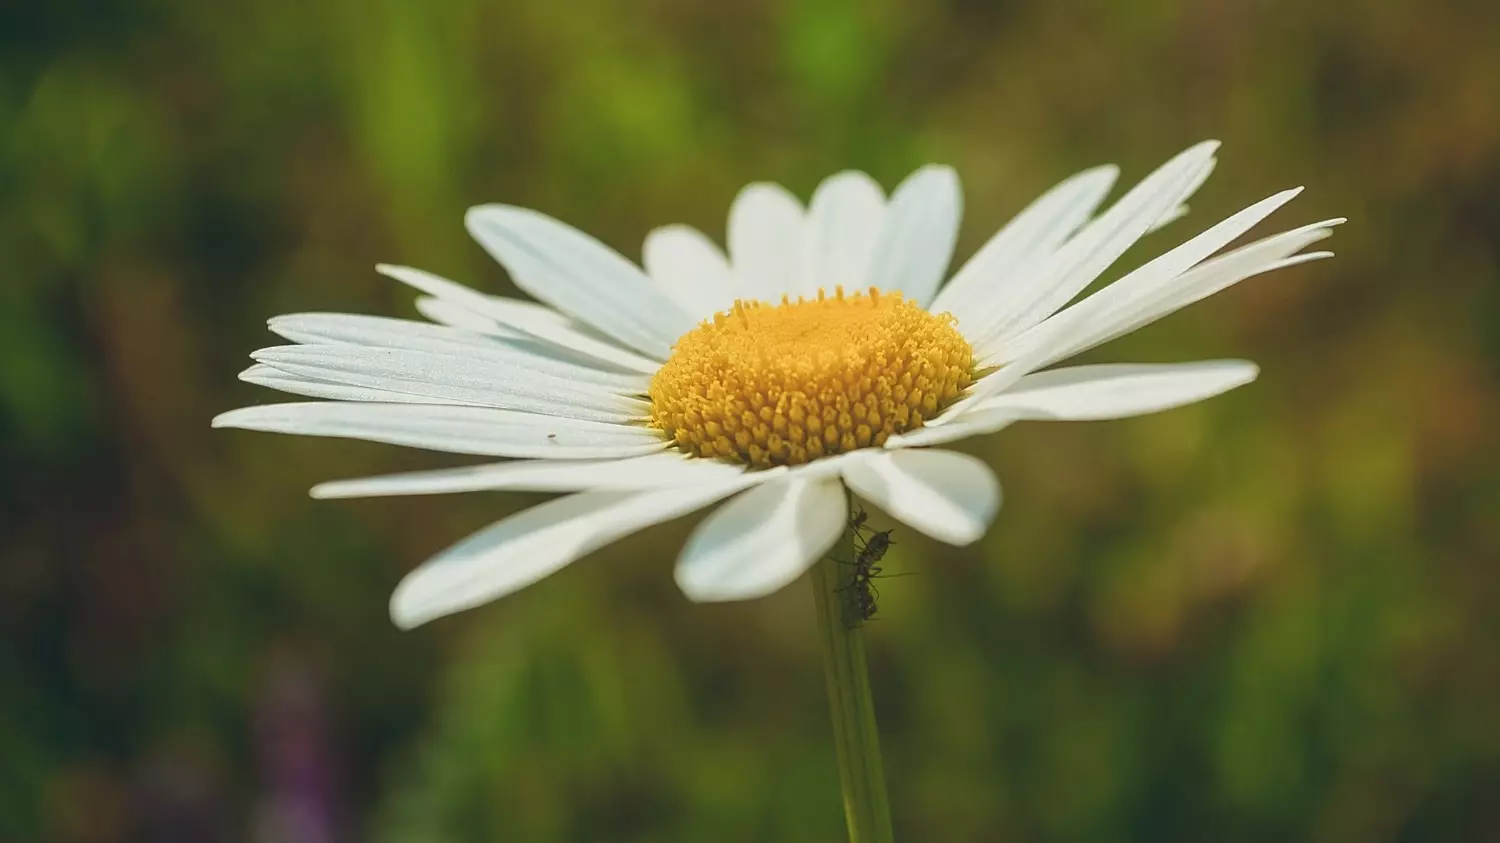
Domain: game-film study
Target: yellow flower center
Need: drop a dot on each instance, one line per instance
(785, 384)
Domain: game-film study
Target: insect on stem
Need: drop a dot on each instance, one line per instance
(869, 550)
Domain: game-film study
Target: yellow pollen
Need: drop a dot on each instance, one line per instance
(786, 384)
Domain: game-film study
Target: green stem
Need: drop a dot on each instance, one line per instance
(856, 740)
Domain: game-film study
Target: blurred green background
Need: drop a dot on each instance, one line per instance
(1273, 616)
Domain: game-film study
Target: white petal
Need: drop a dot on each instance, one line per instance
(1177, 261)
(921, 226)
(380, 332)
(459, 430)
(762, 540)
(843, 221)
(262, 375)
(585, 344)
(829, 466)
(531, 319)
(580, 276)
(1172, 216)
(1121, 308)
(691, 269)
(652, 471)
(355, 334)
(454, 316)
(766, 242)
(1181, 210)
(503, 310)
(970, 424)
(519, 550)
(993, 275)
(947, 495)
(466, 379)
(1118, 390)
(1087, 393)
(990, 385)
(1068, 271)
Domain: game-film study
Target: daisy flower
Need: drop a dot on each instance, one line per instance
(820, 352)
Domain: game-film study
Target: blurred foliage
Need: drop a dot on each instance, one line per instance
(1272, 616)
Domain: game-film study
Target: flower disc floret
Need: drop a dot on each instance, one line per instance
(788, 383)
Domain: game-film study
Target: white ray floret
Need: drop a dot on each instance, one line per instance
(519, 550)
(916, 241)
(652, 471)
(469, 379)
(766, 237)
(580, 276)
(763, 539)
(262, 375)
(458, 430)
(1089, 393)
(525, 317)
(994, 274)
(690, 269)
(949, 496)
(1067, 271)
(844, 221)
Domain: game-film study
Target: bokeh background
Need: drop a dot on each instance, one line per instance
(1273, 616)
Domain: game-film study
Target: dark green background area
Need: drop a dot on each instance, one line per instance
(1272, 616)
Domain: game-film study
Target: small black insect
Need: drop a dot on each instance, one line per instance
(866, 601)
(876, 546)
(866, 571)
(868, 552)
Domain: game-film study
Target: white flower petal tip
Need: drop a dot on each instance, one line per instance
(1089, 393)
(766, 237)
(666, 469)
(457, 429)
(513, 382)
(580, 276)
(929, 437)
(951, 497)
(991, 279)
(690, 268)
(1309, 258)
(447, 313)
(762, 540)
(522, 549)
(921, 228)
(529, 318)
(1118, 390)
(844, 220)
(1060, 275)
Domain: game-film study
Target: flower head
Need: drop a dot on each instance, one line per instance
(818, 353)
(789, 383)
